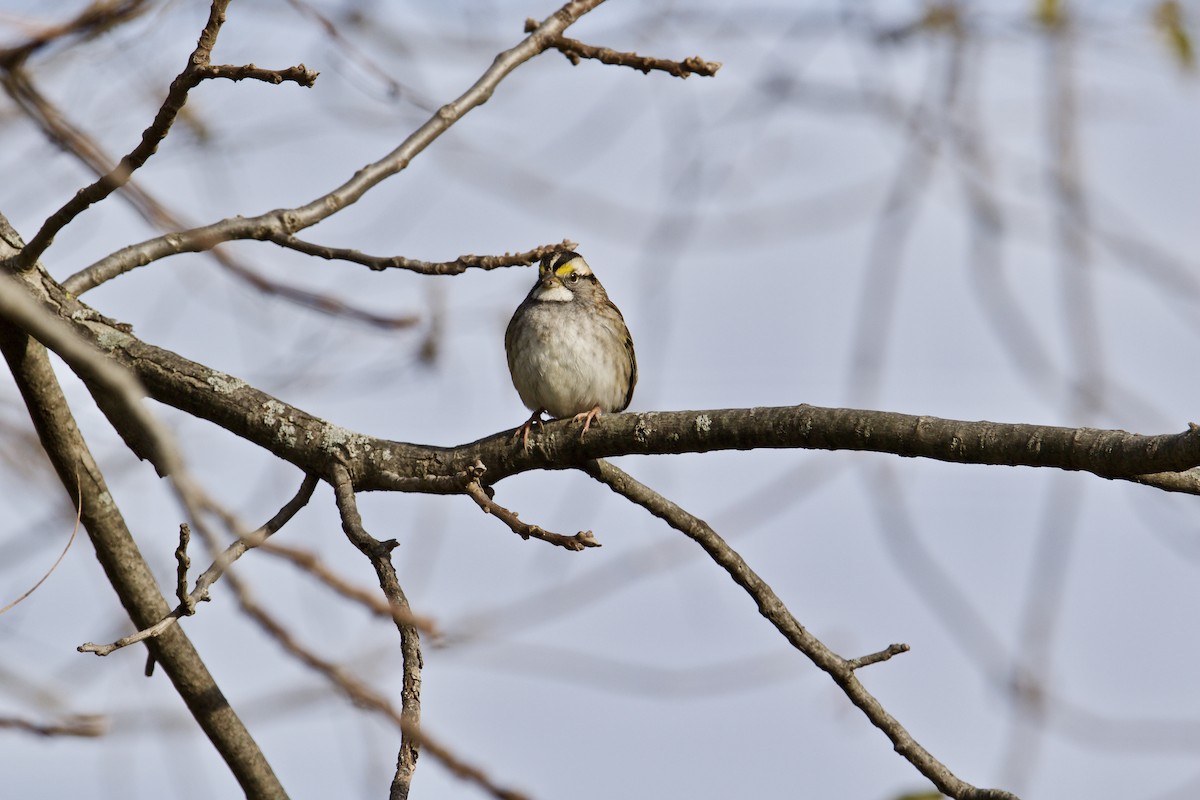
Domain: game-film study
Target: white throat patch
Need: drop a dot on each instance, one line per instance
(556, 293)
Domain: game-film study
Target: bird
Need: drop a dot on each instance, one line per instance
(569, 351)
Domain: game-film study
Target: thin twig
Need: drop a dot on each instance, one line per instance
(579, 541)
(182, 564)
(874, 658)
(211, 575)
(313, 565)
(455, 267)
(286, 222)
(61, 556)
(86, 725)
(198, 69)
(363, 695)
(575, 51)
(299, 74)
(380, 555)
(772, 607)
(93, 19)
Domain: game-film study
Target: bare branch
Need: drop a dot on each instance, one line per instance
(312, 564)
(314, 445)
(579, 541)
(575, 51)
(455, 267)
(380, 555)
(282, 223)
(198, 69)
(86, 725)
(188, 602)
(364, 696)
(298, 74)
(182, 564)
(57, 561)
(875, 658)
(772, 607)
(93, 19)
(118, 554)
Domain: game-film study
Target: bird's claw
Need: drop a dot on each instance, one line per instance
(523, 430)
(587, 417)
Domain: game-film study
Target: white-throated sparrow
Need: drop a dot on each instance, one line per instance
(569, 351)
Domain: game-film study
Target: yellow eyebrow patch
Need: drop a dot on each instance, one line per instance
(564, 270)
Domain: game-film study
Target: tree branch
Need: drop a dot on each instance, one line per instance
(364, 696)
(282, 223)
(475, 489)
(575, 51)
(455, 267)
(380, 555)
(127, 571)
(189, 601)
(314, 566)
(199, 68)
(772, 607)
(86, 725)
(1165, 461)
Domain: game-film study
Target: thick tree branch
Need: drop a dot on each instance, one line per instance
(315, 446)
(127, 571)
(282, 223)
(772, 607)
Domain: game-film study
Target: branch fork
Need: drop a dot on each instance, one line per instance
(482, 496)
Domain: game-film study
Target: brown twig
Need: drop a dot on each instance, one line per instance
(298, 74)
(475, 490)
(772, 607)
(86, 725)
(313, 565)
(199, 68)
(318, 301)
(575, 51)
(211, 575)
(455, 267)
(61, 556)
(93, 19)
(55, 125)
(363, 695)
(380, 555)
(182, 564)
(286, 222)
(875, 658)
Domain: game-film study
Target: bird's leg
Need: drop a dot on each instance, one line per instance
(587, 417)
(523, 430)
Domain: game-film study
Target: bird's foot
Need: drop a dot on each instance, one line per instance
(523, 430)
(587, 417)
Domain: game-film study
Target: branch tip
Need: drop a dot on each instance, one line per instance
(875, 658)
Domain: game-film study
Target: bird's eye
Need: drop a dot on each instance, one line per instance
(573, 277)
